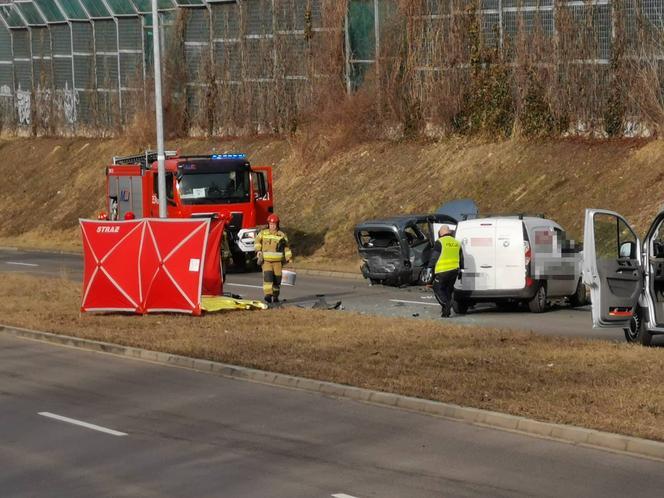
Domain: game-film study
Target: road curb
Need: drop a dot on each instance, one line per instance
(565, 433)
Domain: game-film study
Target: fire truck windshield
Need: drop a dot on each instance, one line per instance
(214, 188)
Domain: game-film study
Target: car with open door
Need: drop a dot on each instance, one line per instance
(625, 276)
(396, 250)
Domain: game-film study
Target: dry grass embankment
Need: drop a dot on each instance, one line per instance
(327, 181)
(594, 384)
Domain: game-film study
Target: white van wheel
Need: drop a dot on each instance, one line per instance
(460, 307)
(538, 303)
(579, 297)
(637, 332)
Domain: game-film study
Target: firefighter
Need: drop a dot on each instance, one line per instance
(446, 259)
(272, 252)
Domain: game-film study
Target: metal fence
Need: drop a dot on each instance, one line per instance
(89, 59)
(591, 23)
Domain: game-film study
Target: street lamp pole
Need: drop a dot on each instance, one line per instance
(161, 156)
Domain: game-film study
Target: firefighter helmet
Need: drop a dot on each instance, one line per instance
(273, 218)
(129, 216)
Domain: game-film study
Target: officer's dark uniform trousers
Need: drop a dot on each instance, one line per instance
(445, 260)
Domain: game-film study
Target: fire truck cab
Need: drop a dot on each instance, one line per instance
(196, 186)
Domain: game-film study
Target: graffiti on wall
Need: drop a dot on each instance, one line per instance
(69, 104)
(23, 106)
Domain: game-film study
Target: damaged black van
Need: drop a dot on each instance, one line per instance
(396, 250)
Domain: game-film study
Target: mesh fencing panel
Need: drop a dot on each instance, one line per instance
(7, 117)
(257, 52)
(227, 48)
(131, 60)
(6, 66)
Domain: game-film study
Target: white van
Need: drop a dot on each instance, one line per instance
(626, 278)
(517, 259)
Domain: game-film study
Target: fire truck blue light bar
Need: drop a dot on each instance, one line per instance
(229, 156)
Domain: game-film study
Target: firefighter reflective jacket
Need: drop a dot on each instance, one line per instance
(274, 246)
(450, 254)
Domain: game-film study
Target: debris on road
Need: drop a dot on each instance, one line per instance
(322, 304)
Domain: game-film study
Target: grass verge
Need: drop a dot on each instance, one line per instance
(613, 387)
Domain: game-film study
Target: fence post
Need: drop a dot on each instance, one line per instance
(73, 77)
(501, 40)
(117, 41)
(347, 43)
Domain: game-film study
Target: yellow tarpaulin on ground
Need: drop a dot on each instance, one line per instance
(223, 303)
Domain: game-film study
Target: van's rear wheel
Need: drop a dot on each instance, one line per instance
(637, 332)
(538, 303)
(460, 306)
(579, 297)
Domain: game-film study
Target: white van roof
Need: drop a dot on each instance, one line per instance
(530, 222)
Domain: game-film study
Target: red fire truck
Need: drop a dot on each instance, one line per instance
(196, 185)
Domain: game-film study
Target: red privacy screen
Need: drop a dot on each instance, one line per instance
(149, 265)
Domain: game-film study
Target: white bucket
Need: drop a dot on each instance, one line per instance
(288, 277)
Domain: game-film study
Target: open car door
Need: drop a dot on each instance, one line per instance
(261, 178)
(438, 220)
(612, 267)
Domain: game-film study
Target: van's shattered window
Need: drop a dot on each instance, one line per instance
(377, 239)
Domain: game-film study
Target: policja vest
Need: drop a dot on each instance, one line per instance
(274, 246)
(449, 255)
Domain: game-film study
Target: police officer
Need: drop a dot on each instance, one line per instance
(272, 252)
(446, 259)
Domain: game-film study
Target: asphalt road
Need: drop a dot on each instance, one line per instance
(177, 432)
(355, 295)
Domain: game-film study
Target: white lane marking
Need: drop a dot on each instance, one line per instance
(342, 495)
(19, 264)
(82, 424)
(245, 285)
(413, 302)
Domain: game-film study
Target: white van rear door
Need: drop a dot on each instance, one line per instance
(612, 267)
(510, 255)
(477, 239)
